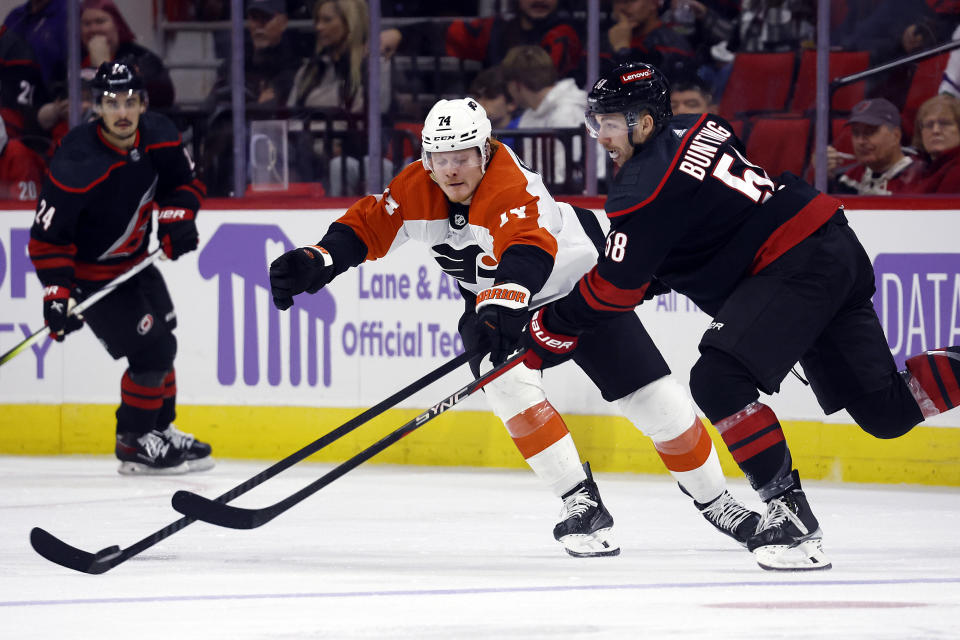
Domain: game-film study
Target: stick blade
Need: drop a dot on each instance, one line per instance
(218, 513)
(59, 552)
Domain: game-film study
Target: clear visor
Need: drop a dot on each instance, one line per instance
(608, 125)
(451, 160)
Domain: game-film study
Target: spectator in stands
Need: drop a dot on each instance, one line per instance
(105, 36)
(335, 78)
(270, 64)
(21, 169)
(548, 103)
(487, 40)
(705, 25)
(21, 85)
(689, 94)
(336, 74)
(889, 29)
(881, 166)
(950, 82)
(43, 24)
(637, 34)
(774, 25)
(269, 68)
(490, 90)
(533, 83)
(937, 134)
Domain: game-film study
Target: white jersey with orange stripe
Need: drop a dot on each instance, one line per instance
(510, 207)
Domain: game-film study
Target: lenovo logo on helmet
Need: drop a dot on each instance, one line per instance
(633, 76)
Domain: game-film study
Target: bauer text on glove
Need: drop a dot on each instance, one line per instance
(546, 348)
(177, 231)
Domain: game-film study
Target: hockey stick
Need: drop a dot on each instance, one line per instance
(59, 552)
(78, 309)
(216, 512)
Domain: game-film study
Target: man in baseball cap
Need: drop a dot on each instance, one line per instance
(882, 166)
(266, 7)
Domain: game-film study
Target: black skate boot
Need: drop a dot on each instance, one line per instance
(730, 517)
(584, 527)
(149, 453)
(789, 537)
(197, 453)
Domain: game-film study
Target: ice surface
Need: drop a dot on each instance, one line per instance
(412, 552)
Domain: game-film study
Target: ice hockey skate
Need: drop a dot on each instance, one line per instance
(730, 517)
(150, 453)
(584, 527)
(197, 453)
(789, 537)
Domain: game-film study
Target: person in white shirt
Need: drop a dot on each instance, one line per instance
(548, 102)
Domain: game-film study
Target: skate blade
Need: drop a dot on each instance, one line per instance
(805, 556)
(590, 545)
(127, 468)
(201, 464)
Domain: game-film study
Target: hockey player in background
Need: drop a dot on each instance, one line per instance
(93, 222)
(490, 223)
(777, 267)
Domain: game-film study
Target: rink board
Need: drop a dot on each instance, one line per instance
(260, 384)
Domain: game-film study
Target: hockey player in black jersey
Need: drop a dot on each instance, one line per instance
(775, 264)
(93, 222)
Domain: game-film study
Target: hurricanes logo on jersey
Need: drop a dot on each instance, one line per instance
(145, 324)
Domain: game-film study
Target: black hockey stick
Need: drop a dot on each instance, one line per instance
(79, 308)
(215, 512)
(59, 552)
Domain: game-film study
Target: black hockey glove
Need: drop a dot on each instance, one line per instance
(545, 348)
(656, 288)
(56, 307)
(305, 269)
(502, 312)
(177, 231)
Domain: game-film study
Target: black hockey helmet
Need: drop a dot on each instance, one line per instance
(116, 78)
(630, 89)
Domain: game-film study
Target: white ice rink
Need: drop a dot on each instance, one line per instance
(408, 552)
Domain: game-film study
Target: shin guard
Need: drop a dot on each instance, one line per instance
(755, 440)
(168, 410)
(935, 382)
(141, 398)
(692, 461)
(545, 443)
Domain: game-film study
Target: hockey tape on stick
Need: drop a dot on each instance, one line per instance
(215, 512)
(93, 299)
(59, 552)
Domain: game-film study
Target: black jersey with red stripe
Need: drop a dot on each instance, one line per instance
(93, 218)
(690, 210)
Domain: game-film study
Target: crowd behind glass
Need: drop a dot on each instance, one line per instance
(308, 115)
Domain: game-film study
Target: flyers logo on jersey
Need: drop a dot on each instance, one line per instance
(633, 76)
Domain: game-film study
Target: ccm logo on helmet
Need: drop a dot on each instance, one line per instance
(636, 75)
(439, 138)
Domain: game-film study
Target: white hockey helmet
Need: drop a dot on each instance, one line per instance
(453, 125)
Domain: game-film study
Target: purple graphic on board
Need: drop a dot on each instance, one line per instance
(918, 301)
(241, 250)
